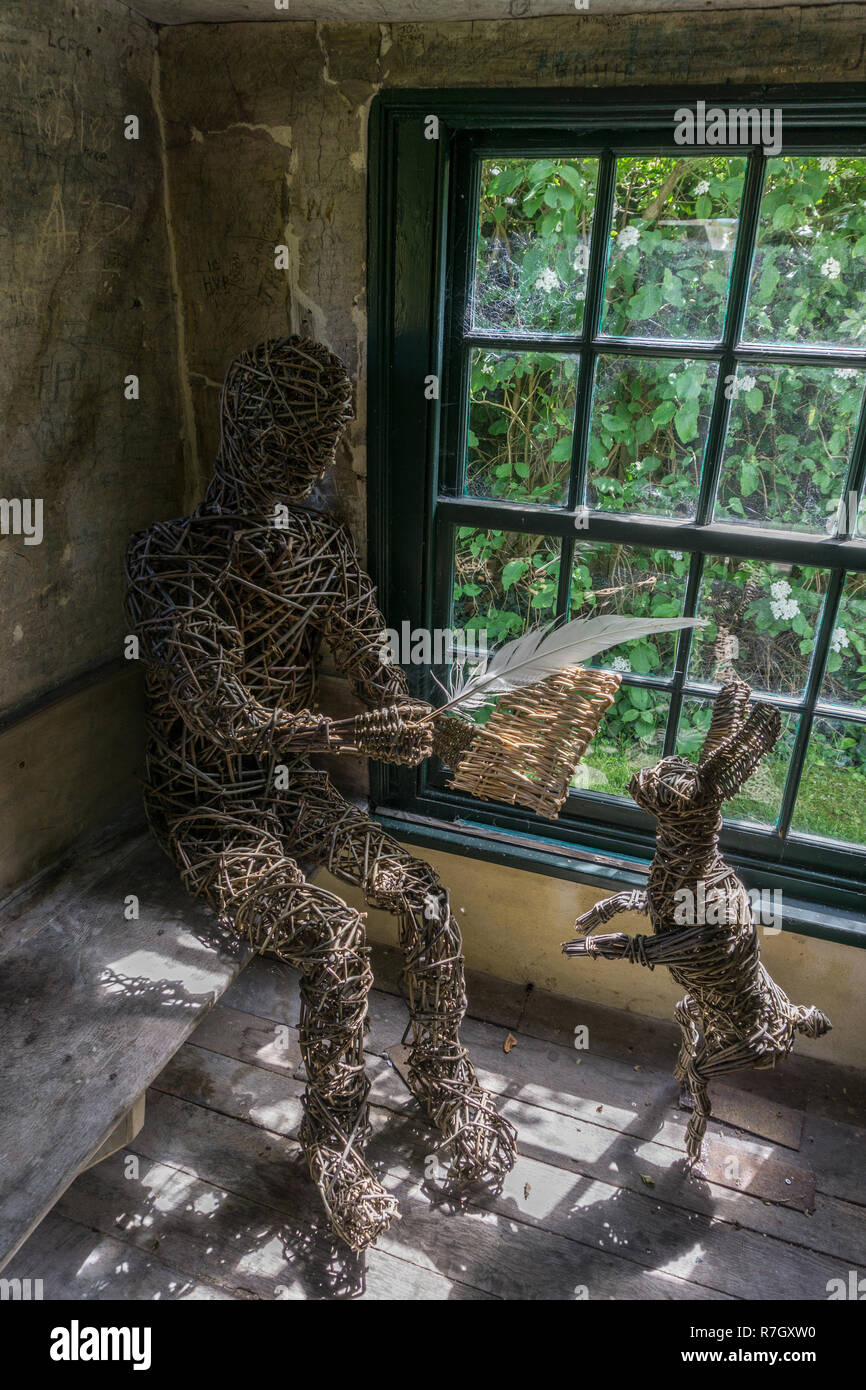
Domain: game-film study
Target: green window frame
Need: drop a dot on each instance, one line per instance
(423, 215)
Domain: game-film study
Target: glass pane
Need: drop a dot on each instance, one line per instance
(631, 736)
(808, 281)
(534, 226)
(831, 800)
(675, 224)
(504, 581)
(789, 440)
(760, 800)
(845, 677)
(521, 414)
(609, 578)
(650, 418)
(761, 625)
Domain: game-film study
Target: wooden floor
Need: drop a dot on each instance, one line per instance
(212, 1199)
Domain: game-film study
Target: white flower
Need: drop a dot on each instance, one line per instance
(620, 663)
(675, 554)
(558, 227)
(494, 170)
(629, 237)
(487, 368)
(785, 608)
(804, 231)
(780, 589)
(702, 187)
(548, 280)
(828, 165)
(839, 639)
(845, 373)
(831, 268)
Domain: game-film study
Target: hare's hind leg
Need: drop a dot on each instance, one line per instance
(695, 1087)
(687, 1016)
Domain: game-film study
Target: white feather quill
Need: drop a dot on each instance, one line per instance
(547, 649)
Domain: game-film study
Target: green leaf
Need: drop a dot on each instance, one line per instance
(686, 423)
(664, 412)
(754, 399)
(513, 571)
(784, 216)
(703, 206)
(561, 451)
(749, 477)
(646, 302)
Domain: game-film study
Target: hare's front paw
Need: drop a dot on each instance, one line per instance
(588, 922)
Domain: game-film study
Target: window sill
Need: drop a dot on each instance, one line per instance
(534, 854)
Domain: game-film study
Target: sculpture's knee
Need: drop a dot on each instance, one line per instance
(399, 883)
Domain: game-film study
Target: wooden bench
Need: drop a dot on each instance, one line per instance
(94, 1001)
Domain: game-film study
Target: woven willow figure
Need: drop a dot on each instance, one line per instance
(231, 605)
(733, 1014)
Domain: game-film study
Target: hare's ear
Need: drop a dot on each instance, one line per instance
(729, 711)
(729, 767)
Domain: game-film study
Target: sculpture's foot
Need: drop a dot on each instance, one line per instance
(359, 1209)
(696, 1169)
(477, 1142)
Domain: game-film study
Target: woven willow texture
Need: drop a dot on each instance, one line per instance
(231, 605)
(733, 1014)
(529, 749)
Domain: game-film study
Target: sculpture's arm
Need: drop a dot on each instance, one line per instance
(194, 657)
(355, 630)
(636, 901)
(667, 948)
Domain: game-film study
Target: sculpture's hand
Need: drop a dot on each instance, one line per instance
(395, 734)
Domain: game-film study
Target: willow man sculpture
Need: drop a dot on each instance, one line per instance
(733, 1014)
(231, 605)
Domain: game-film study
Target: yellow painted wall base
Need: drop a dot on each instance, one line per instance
(514, 922)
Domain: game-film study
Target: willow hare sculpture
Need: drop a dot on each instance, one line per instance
(733, 1014)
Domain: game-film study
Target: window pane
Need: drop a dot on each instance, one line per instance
(521, 415)
(609, 578)
(761, 625)
(504, 581)
(675, 224)
(808, 280)
(760, 800)
(532, 255)
(845, 677)
(631, 736)
(789, 441)
(650, 418)
(831, 801)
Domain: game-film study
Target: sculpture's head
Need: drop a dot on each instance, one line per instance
(283, 410)
(679, 791)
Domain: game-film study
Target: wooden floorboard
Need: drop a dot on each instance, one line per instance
(213, 1199)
